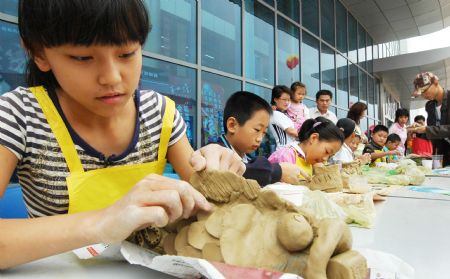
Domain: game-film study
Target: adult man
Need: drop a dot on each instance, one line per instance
(438, 109)
(323, 101)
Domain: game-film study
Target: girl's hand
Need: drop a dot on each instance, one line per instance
(290, 173)
(395, 152)
(153, 201)
(216, 157)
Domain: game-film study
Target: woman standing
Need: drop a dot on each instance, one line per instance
(399, 128)
(357, 112)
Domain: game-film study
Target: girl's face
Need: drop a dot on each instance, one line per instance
(319, 151)
(282, 103)
(402, 120)
(299, 95)
(98, 80)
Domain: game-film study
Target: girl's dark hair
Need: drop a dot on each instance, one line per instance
(419, 117)
(347, 126)
(52, 23)
(277, 91)
(325, 128)
(356, 111)
(401, 112)
(296, 85)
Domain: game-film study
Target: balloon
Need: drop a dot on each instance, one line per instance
(292, 61)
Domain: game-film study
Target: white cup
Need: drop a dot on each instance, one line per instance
(428, 164)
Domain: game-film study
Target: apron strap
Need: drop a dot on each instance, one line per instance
(166, 130)
(59, 129)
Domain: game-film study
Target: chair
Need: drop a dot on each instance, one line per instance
(12, 204)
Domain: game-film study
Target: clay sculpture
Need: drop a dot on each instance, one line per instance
(326, 178)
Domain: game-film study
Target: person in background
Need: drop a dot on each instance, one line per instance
(246, 119)
(375, 146)
(420, 144)
(281, 126)
(323, 102)
(90, 146)
(399, 128)
(297, 111)
(319, 140)
(345, 154)
(357, 112)
(392, 143)
(438, 109)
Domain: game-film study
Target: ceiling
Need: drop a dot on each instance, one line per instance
(391, 20)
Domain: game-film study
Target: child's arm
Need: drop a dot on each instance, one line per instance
(155, 200)
(292, 132)
(210, 157)
(376, 155)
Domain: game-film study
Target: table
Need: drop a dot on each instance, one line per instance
(68, 266)
(415, 229)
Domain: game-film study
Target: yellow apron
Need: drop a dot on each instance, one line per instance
(381, 159)
(96, 189)
(303, 165)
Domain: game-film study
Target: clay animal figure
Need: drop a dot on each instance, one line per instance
(253, 227)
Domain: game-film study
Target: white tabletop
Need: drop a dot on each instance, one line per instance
(414, 229)
(68, 266)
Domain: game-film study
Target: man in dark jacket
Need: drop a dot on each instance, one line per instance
(438, 110)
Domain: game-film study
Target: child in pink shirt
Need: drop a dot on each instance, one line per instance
(297, 111)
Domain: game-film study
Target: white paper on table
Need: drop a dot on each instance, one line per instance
(178, 266)
(289, 192)
(378, 260)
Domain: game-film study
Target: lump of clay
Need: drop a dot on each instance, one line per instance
(253, 227)
(326, 178)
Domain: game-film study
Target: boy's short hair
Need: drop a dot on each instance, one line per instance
(323, 92)
(379, 128)
(419, 118)
(393, 138)
(242, 105)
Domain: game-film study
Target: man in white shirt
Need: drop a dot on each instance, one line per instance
(323, 101)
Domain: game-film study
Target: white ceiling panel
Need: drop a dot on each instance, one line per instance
(398, 13)
(423, 7)
(390, 4)
(403, 24)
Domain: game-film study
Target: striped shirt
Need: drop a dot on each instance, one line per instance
(42, 169)
(279, 122)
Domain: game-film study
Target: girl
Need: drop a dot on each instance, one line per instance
(281, 126)
(345, 154)
(84, 139)
(297, 111)
(319, 139)
(399, 128)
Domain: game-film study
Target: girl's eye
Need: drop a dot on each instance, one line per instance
(80, 58)
(257, 130)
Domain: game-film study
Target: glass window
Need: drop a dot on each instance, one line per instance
(259, 42)
(363, 125)
(327, 20)
(215, 92)
(176, 82)
(174, 29)
(264, 92)
(270, 2)
(12, 58)
(310, 103)
(370, 96)
(376, 99)
(328, 70)
(310, 64)
(341, 28)
(352, 39)
(221, 35)
(342, 81)
(361, 46)
(362, 86)
(369, 54)
(291, 8)
(9, 7)
(288, 52)
(310, 15)
(354, 85)
(341, 113)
